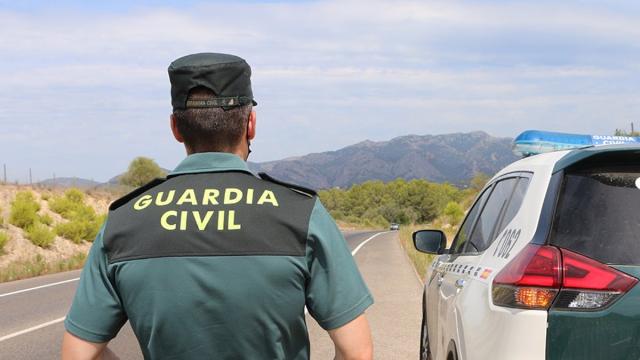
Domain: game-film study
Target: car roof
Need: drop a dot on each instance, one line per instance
(559, 160)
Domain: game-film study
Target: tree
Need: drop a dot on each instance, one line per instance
(141, 171)
(479, 181)
(620, 132)
(454, 213)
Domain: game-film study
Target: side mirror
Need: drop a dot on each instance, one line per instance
(430, 241)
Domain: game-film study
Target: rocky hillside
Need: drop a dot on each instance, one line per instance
(19, 255)
(453, 158)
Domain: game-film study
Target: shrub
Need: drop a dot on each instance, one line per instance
(40, 235)
(83, 222)
(4, 238)
(453, 213)
(79, 229)
(74, 195)
(45, 219)
(24, 210)
(69, 204)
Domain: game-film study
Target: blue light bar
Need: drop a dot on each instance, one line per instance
(533, 142)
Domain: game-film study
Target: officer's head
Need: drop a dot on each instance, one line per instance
(212, 103)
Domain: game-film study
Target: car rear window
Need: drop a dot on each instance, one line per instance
(598, 213)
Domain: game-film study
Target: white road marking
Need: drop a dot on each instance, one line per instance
(365, 242)
(33, 328)
(39, 287)
(53, 322)
(306, 312)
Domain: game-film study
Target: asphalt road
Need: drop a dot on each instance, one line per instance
(32, 310)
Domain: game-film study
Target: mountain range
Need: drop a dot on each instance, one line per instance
(453, 158)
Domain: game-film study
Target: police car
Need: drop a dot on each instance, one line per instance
(547, 260)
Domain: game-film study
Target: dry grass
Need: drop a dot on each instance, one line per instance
(39, 266)
(4, 238)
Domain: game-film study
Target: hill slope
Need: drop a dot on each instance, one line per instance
(453, 158)
(65, 182)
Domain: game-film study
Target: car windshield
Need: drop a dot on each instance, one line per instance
(598, 214)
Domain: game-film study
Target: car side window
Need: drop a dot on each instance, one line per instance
(514, 204)
(483, 232)
(466, 227)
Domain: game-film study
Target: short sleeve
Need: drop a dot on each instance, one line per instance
(336, 292)
(96, 314)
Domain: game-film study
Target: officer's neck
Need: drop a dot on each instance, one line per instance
(242, 153)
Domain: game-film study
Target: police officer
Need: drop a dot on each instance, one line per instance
(213, 262)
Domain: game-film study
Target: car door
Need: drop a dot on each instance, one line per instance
(443, 271)
(464, 289)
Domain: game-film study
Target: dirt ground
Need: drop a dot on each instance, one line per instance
(19, 248)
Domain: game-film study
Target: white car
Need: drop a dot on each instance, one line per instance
(544, 265)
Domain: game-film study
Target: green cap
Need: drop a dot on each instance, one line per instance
(228, 76)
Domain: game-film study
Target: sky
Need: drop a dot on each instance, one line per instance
(85, 86)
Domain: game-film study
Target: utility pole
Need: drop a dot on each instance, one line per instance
(30, 177)
(4, 166)
(632, 130)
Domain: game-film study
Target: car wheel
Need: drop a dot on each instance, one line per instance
(425, 351)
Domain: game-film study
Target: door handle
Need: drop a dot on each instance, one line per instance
(440, 280)
(460, 283)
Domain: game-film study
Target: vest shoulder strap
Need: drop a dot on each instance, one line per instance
(297, 188)
(125, 199)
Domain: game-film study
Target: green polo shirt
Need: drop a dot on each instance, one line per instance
(215, 263)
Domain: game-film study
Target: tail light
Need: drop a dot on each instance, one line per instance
(544, 276)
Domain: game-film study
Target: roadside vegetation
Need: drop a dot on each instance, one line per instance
(39, 266)
(4, 238)
(24, 210)
(56, 222)
(40, 235)
(375, 203)
(24, 214)
(414, 204)
(82, 221)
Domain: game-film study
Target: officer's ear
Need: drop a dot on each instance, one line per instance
(251, 126)
(174, 129)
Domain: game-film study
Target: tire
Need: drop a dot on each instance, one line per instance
(425, 351)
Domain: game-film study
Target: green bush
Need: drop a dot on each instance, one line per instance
(83, 222)
(70, 205)
(45, 219)
(24, 210)
(453, 213)
(4, 238)
(79, 229)
(40, 235)
(377, 203)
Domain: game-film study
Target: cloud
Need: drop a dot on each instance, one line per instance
(91, 85)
